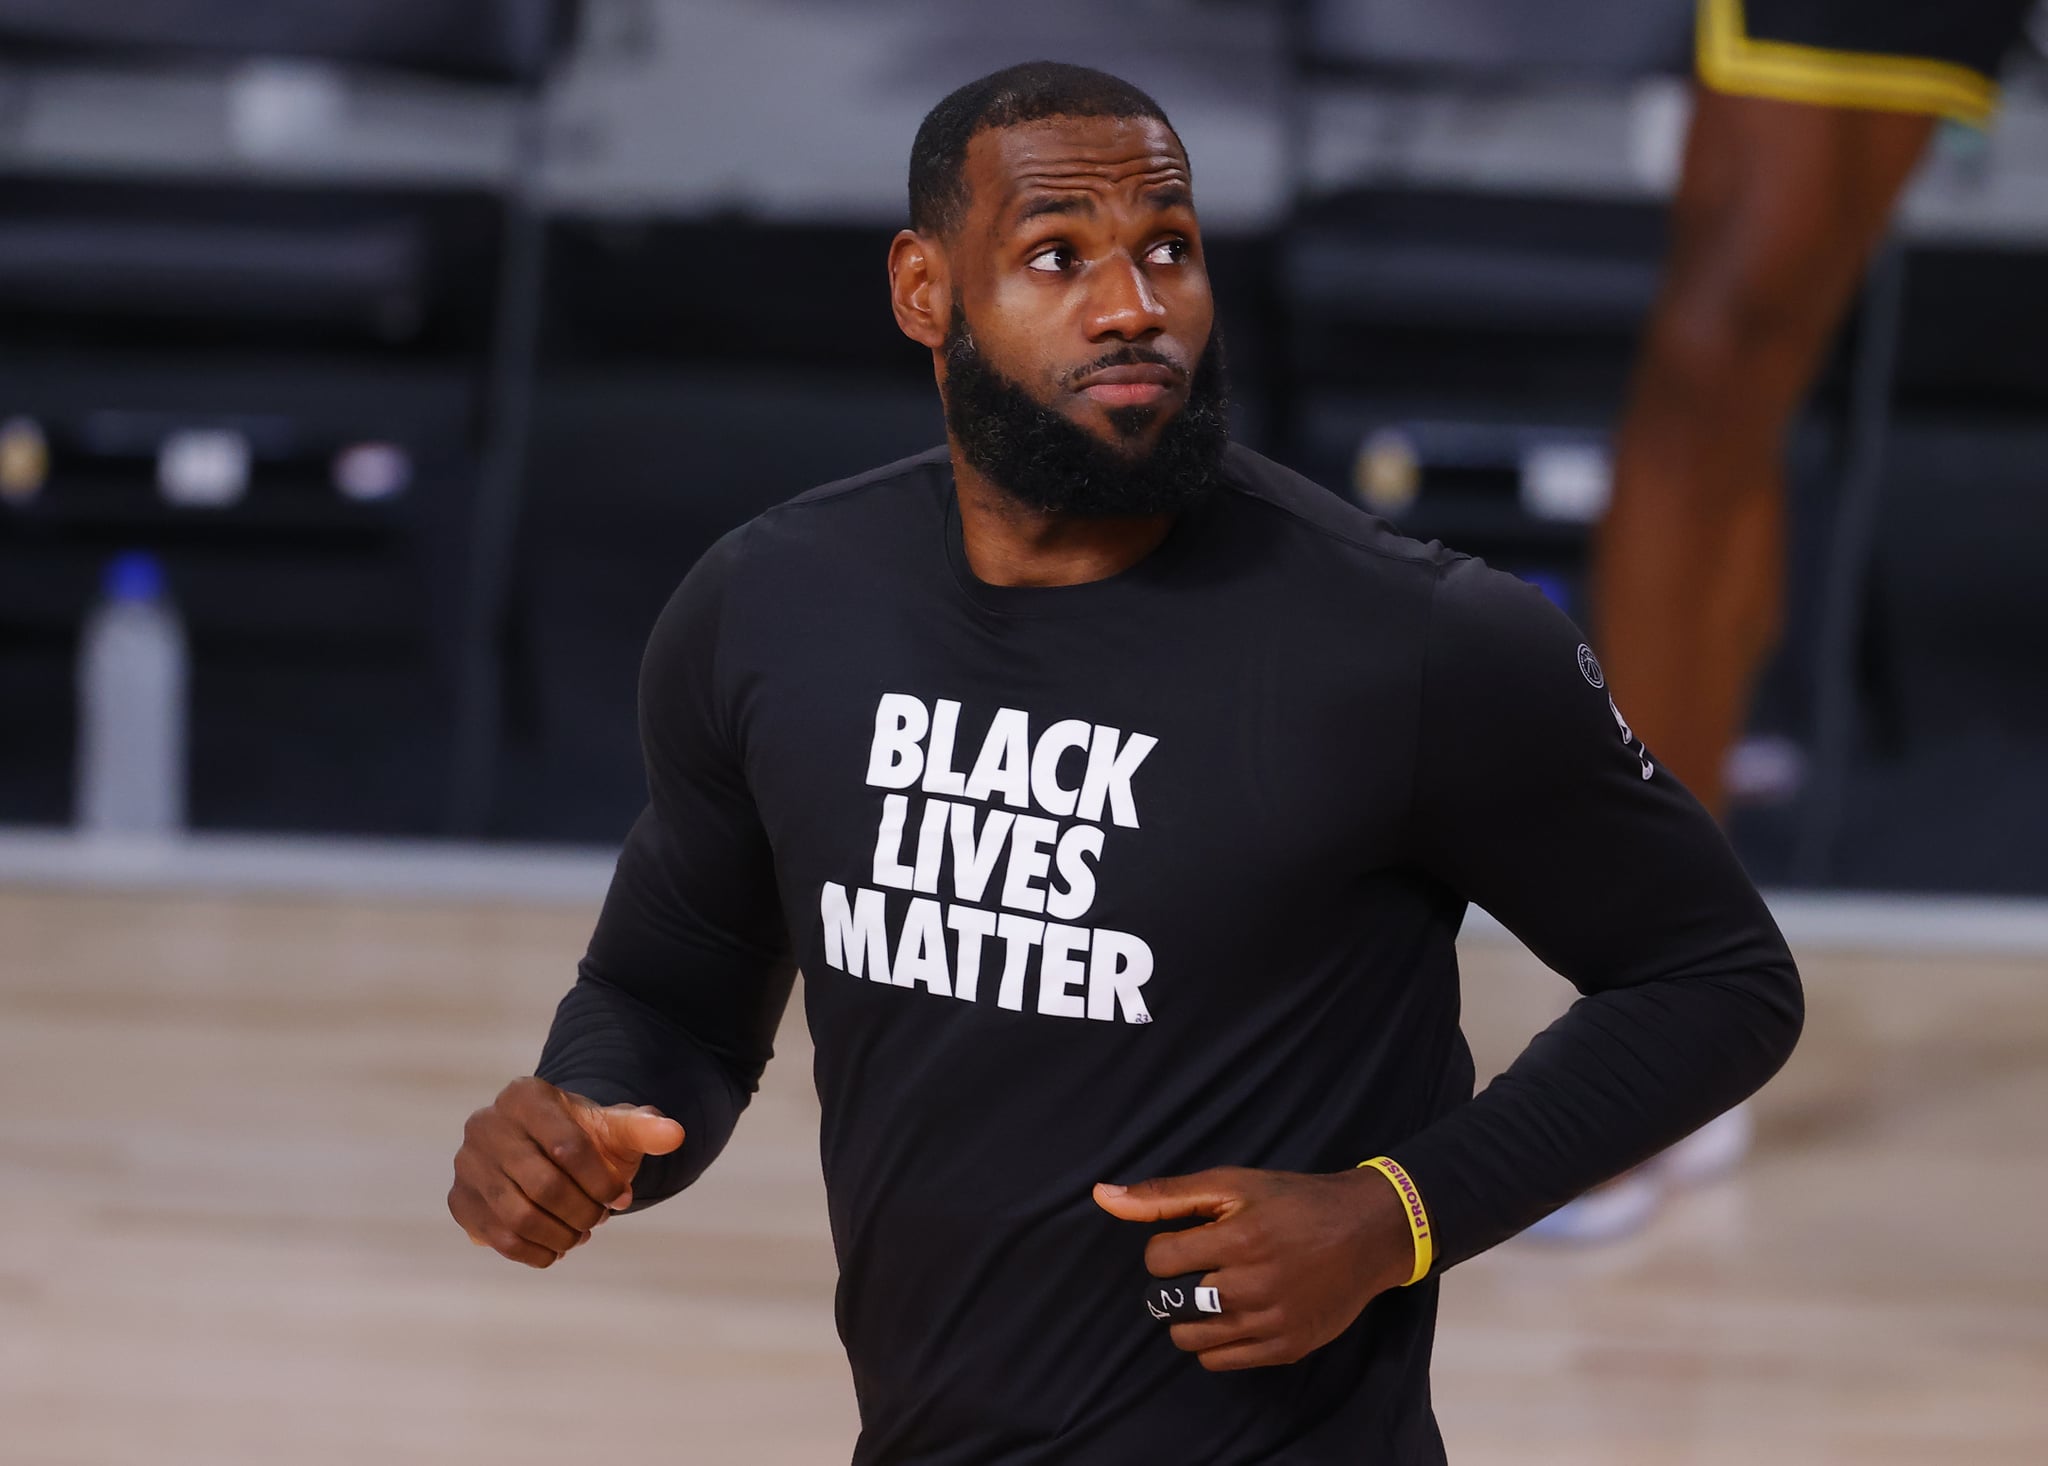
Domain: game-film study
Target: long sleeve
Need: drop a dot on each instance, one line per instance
(677, 1000)
(1534, 799)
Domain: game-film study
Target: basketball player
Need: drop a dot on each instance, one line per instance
(1120, 795)
(1809, 118)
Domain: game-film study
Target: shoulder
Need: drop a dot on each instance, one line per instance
(781, 551)
(853, 515)
(1314, 517)
(1468, 596)
(1487, 615)
(874, 493)
(878, 502)
(1501, 652)
(1477, 616)
(917, 466)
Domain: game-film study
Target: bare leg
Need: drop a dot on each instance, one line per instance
(1778, 209)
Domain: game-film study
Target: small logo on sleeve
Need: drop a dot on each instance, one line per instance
(1589, 666)
(1629, 740)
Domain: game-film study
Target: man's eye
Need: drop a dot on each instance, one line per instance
(1052, 260)
(1167, 252)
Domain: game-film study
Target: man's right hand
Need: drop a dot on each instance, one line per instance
(540, 1167)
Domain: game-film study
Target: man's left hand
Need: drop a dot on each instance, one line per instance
(1295, 1258)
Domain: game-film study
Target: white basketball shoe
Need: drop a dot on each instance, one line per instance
(1624, 1206)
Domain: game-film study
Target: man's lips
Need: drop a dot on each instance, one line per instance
(1139, 385)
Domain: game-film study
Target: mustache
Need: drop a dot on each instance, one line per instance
(1129, 354)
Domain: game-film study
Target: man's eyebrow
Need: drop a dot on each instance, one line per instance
(1161, 196)
(1054, 203)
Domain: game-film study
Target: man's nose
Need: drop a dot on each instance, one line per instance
(1124, 307)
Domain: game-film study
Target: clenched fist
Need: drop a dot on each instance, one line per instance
(540, 1167)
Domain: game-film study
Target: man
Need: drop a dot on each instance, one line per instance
(1809, 119)
(1120, 794)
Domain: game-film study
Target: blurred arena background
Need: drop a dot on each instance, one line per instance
(420, 346)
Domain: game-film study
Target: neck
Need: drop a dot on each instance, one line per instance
(1010, 544)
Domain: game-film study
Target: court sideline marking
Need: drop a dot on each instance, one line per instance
(577, 875)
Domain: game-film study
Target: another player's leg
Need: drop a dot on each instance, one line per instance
(1778, 210)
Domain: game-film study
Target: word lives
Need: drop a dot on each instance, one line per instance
(999, 856)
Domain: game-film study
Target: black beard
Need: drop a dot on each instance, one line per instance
(1045, 461)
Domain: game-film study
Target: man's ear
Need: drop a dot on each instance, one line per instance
(919, 291)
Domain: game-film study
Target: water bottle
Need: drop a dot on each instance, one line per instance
(131, 705)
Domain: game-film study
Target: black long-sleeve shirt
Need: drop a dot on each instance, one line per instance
(1134, 878)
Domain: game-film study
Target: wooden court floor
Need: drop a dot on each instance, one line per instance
(225, 1139)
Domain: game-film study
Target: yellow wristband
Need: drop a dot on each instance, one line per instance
(1411, 1207)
